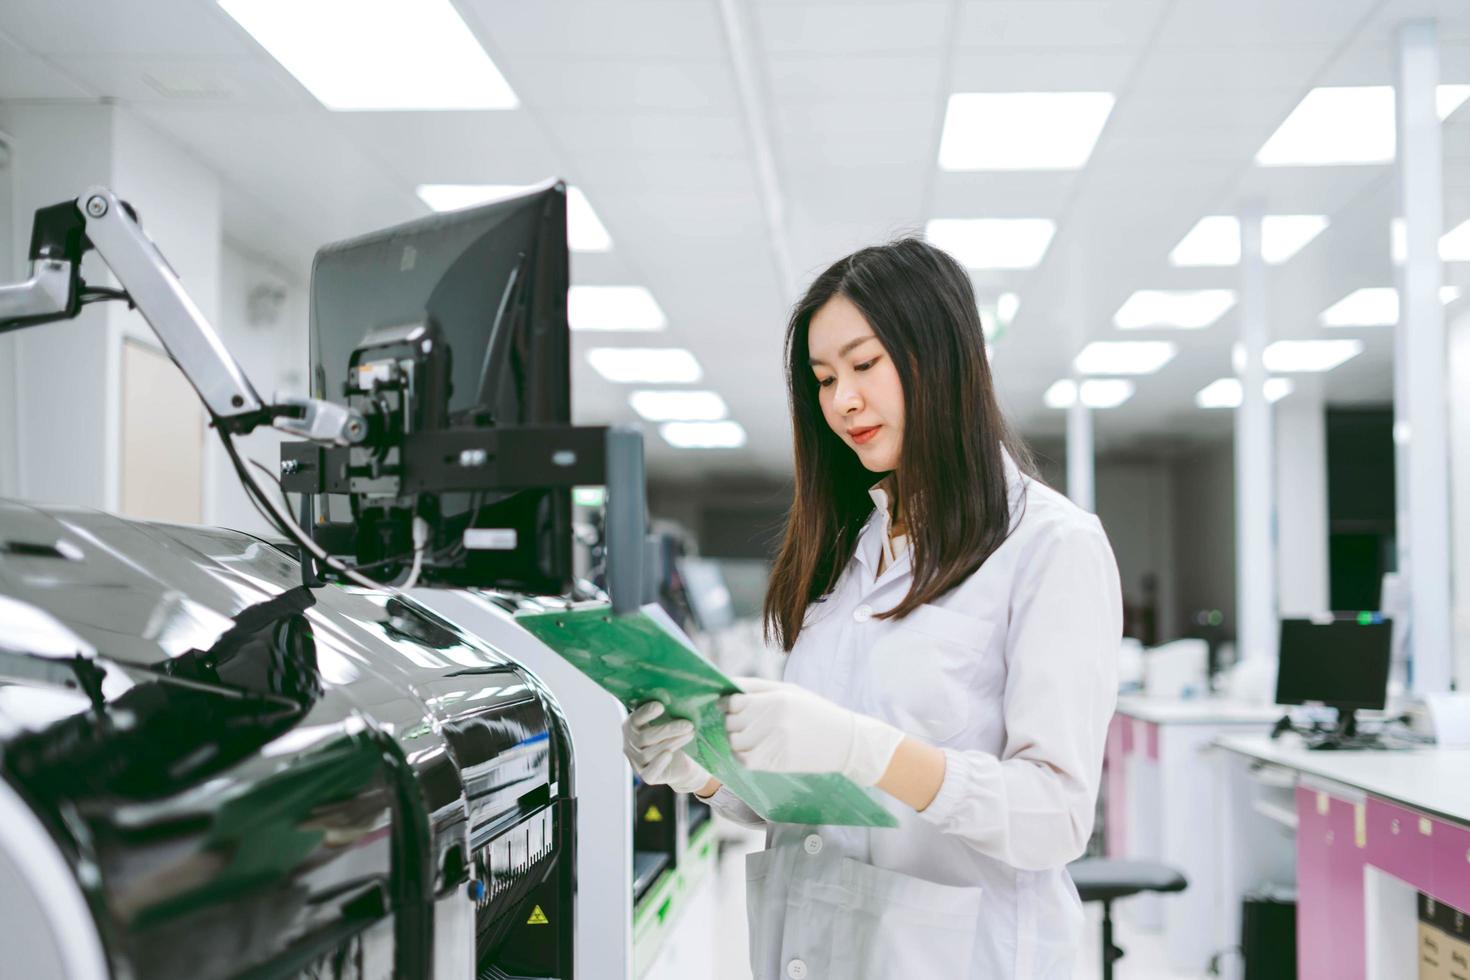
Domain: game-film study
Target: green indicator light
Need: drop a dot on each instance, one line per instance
(588, 496)
(1365, 619)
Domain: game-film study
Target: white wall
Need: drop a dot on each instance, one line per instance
(60, 417)
(177, 200)
(267, 335)
(60, 426)
(1459, 437)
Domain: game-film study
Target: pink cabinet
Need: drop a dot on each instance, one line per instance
(1313, 928)
(1330, 852)
(1400, 841)
(1450, 881)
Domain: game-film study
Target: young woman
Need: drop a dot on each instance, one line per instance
(953, 628)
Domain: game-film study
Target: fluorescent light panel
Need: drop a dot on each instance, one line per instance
(1454, 245)
(1215, 240)
(678, 406)
(1308, 356)
(613, 308)
(1022, 130)
(1180, 309)
(1124, 356)
(1227, 392)
(1345, 125)
(383, 55)
(645, 365)
(992, 243)
(585, 231)
(1374, 306)
(703, 435)
(1096, 393)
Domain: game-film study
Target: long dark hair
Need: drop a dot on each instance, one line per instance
(950, 482)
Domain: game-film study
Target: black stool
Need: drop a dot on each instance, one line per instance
(1108, 879)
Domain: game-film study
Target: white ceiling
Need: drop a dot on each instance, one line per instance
(661, 111)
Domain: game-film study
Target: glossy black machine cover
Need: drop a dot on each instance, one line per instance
(250, 778)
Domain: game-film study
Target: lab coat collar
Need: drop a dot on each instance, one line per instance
(870, 538)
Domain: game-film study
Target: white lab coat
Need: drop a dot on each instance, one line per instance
(1014, 675)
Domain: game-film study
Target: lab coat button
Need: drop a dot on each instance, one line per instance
(796, 970)
(813, 844)
(863, 613)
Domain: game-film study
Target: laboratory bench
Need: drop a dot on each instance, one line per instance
(1160, 803)
(1378, 844)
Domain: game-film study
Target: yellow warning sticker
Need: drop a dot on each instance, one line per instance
(1323, 803)
(654, 815)
(538, 918)
(1360, 825)
(1426, 827)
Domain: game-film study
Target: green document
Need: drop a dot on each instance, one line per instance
(637, 660)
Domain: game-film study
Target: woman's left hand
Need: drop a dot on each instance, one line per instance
(780, 727)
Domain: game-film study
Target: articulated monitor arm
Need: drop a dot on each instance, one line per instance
(65, 232)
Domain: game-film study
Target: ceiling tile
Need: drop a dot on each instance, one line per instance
(668, 30)
(1059, 23)
(628, 86)
(1314, 23)
(1046, 70)
(834, 78)
(830, 28)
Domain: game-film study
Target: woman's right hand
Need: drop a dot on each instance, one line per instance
(657, 751)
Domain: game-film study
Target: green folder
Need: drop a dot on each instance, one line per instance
(636, 659)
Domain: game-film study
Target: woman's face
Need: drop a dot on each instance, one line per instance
(857, 384)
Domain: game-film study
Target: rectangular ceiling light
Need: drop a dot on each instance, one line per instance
(678, 406)
(1215, 240)
(992, 243)
(383, 55)
(585, 231)
(1096, 393)
(1022, 130)
(613, 308)
(1124, 356)
(1344, 125)
(1226, 393)
(1374, 306)
(645, 365)
(1179, 309)
(1454, 245)
(703, 435)
(1303, 356)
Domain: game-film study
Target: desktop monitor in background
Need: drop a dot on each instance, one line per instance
(1341, 663)
(492, 282)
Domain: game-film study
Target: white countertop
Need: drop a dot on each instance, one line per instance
(1433, 780)
(1197, 711)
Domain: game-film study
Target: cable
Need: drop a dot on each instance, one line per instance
(286, 524)
(420, 542)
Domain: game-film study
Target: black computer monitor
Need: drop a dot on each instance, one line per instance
(1340, 662)
(492, 280)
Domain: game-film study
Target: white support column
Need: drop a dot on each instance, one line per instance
(1459, 362)
(1255, 553)
(1421, 435)
(1081, 485)
(1301, 500)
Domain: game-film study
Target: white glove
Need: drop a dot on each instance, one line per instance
(656, 751)
(785, 728)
